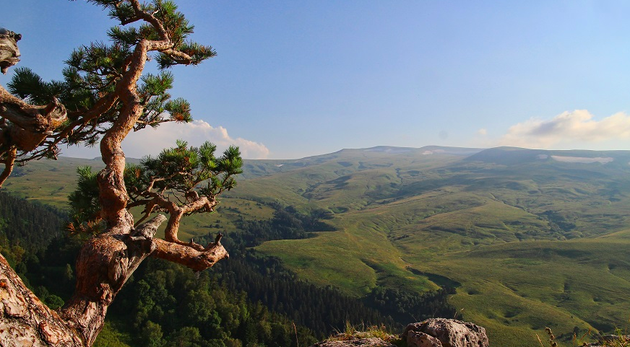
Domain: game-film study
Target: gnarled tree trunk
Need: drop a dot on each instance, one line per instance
(108, 260)
(23, 127)
(104, 265)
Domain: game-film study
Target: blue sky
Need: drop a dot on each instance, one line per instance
(300, 78)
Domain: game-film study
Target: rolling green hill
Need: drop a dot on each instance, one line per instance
(530, 238)
(528, 234)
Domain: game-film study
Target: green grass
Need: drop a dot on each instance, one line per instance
(519, 270)
(47, 181)
(514, 290)
(533, 243)
(354, 260)
(532, 285)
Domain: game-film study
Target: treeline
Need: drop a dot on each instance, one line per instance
(169, 305)
(265, 280)
(164, 304)
(286, 223)
(31, 241)
(26, 227)
(405, 307)
(242, 301)
(324, 310)
(248, 299)
(26, 231)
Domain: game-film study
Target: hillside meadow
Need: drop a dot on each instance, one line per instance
(528, 238)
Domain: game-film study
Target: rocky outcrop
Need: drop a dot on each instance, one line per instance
(441, 332)
(420, 339)
(434, 332)
(363, 342)
(610, 340)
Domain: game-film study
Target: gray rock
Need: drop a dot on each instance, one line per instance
(450, 332)
(434, 332)
(420, 339)
(610, 340)
(370, 341)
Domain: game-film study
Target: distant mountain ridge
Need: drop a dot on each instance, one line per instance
(263, 167)
(532, 237)
(513, 155)
(520, 229)
(500, 155)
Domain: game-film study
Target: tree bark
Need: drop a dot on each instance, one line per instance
(9, 51)
(25, 320)
(27, 127)
(106, 261)
(104, 264)
(23, 127)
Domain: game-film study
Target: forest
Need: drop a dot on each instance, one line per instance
(245, 300)
(103, 255)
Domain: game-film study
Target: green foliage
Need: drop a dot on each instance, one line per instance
(54, 302)
(84, 203)
(180, 173)
(111, 337)
(354, 333)
(321, 309)
(171, 306)
(179, 109)
(286, 223)
(533, 243)
(94, 73)
(181, 169)
(188, 337)
(28, 85)
(26, 227)
(406, 306)
(175, 24)
(151, 335)
(165, 304)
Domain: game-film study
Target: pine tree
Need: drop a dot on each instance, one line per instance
(102, 97)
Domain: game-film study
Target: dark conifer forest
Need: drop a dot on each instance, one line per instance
(249, 299)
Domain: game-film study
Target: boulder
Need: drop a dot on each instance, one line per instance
(448, 332)
(420, 339)
(610, 340)
(434, 332)
(353, 342)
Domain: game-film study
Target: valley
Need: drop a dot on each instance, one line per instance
(528, 238)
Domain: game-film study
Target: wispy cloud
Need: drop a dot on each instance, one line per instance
(152, 141)
(569, 127)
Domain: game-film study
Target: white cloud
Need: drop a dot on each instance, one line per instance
(151, 141)
(482, 132)
(567, 128)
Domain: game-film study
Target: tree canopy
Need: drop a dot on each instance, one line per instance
(104, 95)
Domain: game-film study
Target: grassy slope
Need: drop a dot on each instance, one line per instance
(482, 224)
(51, 182)
(532, 284)
(532, 242)
(47, 181)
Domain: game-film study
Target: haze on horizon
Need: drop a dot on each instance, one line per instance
(312, 77)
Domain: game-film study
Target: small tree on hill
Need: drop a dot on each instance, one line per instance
(103, 96)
